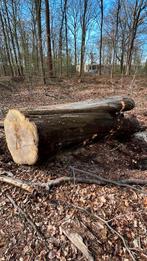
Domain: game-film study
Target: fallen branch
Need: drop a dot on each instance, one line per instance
(30, 186)
(112, 230)
(26, 217)
(104, 181)
(25, 185)
(94, 216)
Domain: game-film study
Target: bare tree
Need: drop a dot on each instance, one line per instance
(63, 11)
(136, 20)
(84, 28)
(35, 52)
(101, 36)
(66, 41)
(115, 41)
(14, 5)
(38, 18)
(6, 42)
(9, 28)
(48, 38)
(74, 25)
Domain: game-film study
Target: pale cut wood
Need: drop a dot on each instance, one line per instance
(17, 183)
(40, 132)
(21, 138)
(77, 240)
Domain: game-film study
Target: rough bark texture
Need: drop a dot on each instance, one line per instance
(84, 28)
(40, 47)
(101, 37)
(48, 38)
(40, 132)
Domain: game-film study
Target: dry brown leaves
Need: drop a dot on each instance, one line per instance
(125, 209)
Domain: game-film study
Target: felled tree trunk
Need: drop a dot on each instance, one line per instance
(42, 131)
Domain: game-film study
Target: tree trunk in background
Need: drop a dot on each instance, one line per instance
(12, 40)
(115, 37)
(61, 37)
(122, 55)
(35, 53)
(101, 38)
(6, 44)
(83, 38)
(48, 38)
(25, 55)
(54, 55)
(39, 27)
(75, 47)
(138, 8)
(14, 13)
(3, 59)
(60, 52)
(66, 40)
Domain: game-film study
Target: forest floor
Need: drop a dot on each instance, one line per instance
(93, 213)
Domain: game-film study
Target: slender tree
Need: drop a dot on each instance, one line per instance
(66, 41)
(48, 38)
(115, 41)
(39, 27)
(63, 11)
(15, 33)
(74, 25)
(6, 42)
(101, 36)
(9, 27)
(137, 19)
(84, 28)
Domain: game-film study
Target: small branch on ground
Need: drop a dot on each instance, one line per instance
(92, 215)
(25, 216)
(104, 181)
(30, 186)
(17, 182)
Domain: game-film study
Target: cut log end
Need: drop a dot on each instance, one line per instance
(21, 138)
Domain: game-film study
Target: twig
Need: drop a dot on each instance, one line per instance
(25, 185)
(104, 222)
(124, 214)
(27, 218)
(123, 183)
(29, 186)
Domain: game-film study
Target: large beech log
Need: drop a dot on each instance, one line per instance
(34, 133)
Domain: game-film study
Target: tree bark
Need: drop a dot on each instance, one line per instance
(83, 38)
(66, 39)
(16, 35)
(38, 16)
(101, 39)
(140, 5)
(36, 133)
(12, 41)
(6, 44)
(115, 42)
(61, 37)
(48, 38)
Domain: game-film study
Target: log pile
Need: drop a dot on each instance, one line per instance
(38, 132)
